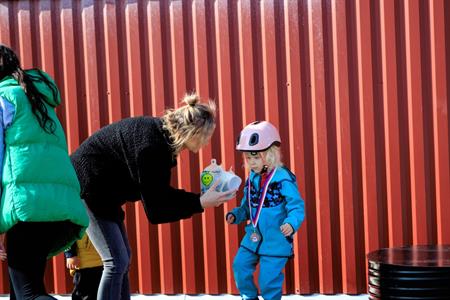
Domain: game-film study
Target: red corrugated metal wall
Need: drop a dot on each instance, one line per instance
(358, 88)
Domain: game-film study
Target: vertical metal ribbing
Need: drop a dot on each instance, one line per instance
(358, 89)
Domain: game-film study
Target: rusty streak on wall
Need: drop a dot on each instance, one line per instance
(359, 90)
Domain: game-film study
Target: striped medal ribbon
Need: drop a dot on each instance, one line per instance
(255, 237)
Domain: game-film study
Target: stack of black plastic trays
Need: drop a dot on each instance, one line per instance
(410, 273)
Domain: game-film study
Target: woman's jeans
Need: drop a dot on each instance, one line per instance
(111, 241)
(28, 245)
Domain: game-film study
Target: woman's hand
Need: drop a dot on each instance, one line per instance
(212, 198)
(286, 229)
(73, 263)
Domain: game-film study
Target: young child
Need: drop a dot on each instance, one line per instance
(86, 267)
(275, 209)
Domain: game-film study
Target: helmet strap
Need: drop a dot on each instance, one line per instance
(264, 169)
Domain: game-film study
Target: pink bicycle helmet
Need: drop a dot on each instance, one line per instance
(258, 136)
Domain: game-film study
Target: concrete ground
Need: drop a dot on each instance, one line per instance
(232, 297)
(225, 297)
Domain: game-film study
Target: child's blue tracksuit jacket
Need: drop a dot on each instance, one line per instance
(282, 204)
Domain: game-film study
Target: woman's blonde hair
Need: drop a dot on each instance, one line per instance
(187, 121)
(272, 157)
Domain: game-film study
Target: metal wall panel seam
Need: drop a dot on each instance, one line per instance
(269, 59)
(143, 250)
(201, 70)
(134, 53)
(310, 187)
(5, 29)
(352, 274)
(158, 106)
(130, 223)
(302, 266)
(69, 89)
(165, 256)
(112, 62)
(440, 117)
(371, 196)
(155, 58)
(90, 65)
(143, 263)
(327, 271)
(169, 255)
(185, 163)
(246, 46)
(391, 127)
(415, 123)
(25, 50)
(221, 13)
(134, 58)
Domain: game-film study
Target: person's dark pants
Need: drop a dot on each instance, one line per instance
(28, 245)
(12, 295)
(111, 241)
(86, 282)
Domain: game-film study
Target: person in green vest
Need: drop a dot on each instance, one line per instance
(40, 211)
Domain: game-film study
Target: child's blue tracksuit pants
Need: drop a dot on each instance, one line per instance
(270, 274)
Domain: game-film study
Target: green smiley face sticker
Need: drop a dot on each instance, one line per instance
(207, 178)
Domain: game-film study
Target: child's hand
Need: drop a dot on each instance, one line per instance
(230, 219)
(286, 229)
(2, 248)
(73, 263)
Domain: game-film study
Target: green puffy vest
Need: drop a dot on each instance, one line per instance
(39, 183)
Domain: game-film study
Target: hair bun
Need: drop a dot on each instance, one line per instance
(191, 99)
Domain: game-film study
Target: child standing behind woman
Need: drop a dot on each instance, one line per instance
(275, 209)
(86, 267)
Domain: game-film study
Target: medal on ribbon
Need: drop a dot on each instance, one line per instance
(255, 237)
